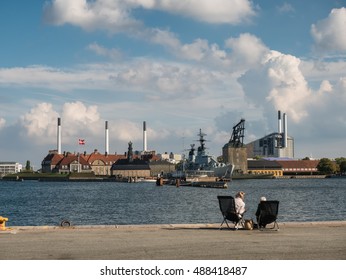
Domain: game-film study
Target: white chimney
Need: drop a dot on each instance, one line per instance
(285, 132)
(279, 122)
(106, 138)
(144, 137)
(59, 136)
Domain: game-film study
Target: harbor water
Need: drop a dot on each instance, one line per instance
(33, 203)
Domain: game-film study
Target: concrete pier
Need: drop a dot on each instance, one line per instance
(294, 241)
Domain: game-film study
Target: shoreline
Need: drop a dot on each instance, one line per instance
(153, 226)
(67, 178)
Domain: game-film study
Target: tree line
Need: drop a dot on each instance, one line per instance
(328, 166)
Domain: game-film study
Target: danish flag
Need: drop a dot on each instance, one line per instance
(81, 141)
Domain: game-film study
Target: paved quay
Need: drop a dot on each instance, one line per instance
(294, 241)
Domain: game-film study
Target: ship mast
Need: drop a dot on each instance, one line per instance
(201, 148)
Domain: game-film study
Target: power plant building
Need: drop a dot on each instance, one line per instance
(267, 146)
(277, 144)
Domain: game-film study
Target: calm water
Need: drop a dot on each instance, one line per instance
(47, 203)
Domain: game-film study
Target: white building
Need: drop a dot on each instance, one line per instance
(268, 146)
(10, 168)
(173, 158)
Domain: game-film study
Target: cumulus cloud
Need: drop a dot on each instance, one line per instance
(318, 70)
(327, 112)
(78, 119)
(217, 11)
(329, 34)
(81, 121)
(325, 86)
(38, 122)
(283, 86)
(112, 16)
(115, 16)
(247, 50)
(200, 50)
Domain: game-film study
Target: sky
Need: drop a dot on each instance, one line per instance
(181, 66)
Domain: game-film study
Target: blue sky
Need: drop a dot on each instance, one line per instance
(178, 65)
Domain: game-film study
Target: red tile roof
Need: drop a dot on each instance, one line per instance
(299, 164)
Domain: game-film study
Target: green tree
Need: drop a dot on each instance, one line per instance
(342, 166)
(340, 160)
(326, 166)
(28, 166)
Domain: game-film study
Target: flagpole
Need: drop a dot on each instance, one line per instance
(80, 142)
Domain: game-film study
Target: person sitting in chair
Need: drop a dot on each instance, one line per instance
(258, 212)
(239, 203)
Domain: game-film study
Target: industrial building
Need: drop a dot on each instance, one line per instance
(278, 144)
(267, 146)
(234, 151)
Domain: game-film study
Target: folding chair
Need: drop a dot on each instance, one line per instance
(227, 208)
(267, 214)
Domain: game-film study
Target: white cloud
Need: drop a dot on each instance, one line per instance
(282, 85)
(247, 50)
(216, 11)
(80, 120)
(113, 54)
(200, 50)
(159, 78)
(285, 8)
(52, 78)
(329, 34)
(2, 123)
(112, 16)
(325, 86)
(38, 122)
(115, 16)
(318, 70)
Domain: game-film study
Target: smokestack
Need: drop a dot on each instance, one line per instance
(106, 138)
(144, 137)
(59, 136)
(285, 132)
(279, 122)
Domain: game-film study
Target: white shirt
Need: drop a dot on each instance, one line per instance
(239, 205)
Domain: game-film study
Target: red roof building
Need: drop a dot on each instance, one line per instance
(299, 167)
(99, 164)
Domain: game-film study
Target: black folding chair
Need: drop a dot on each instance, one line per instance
(267, 214)
(227, 207)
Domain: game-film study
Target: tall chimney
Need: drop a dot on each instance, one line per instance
(59, 136)
(285, 131)
(106, 138)
(144, 137)
(279, 122)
